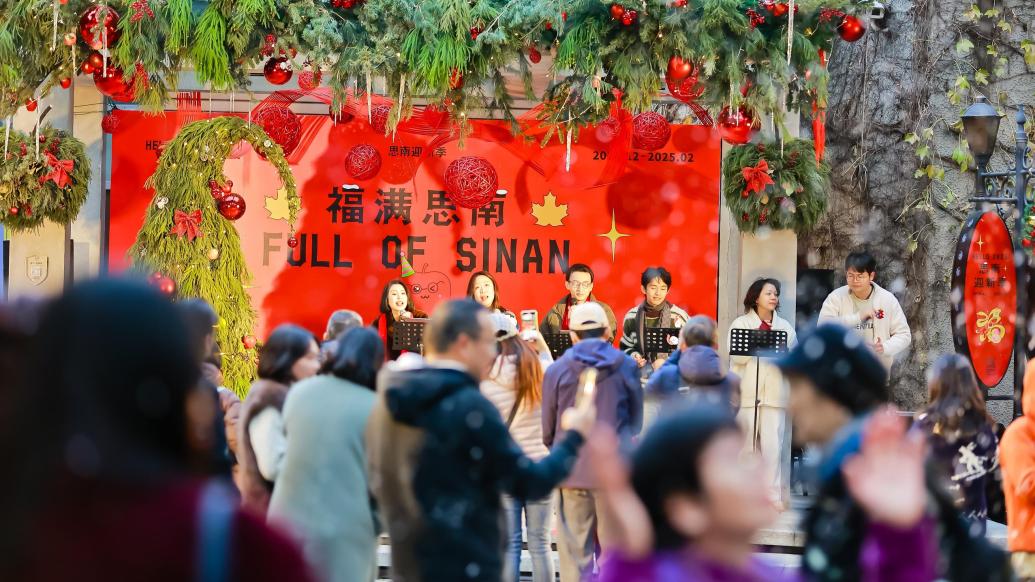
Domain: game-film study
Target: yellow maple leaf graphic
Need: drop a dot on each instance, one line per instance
(549, 213)
(278, 207)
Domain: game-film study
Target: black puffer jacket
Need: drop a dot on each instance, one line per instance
(440, 456)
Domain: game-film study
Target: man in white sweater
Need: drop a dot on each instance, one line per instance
(872, 310)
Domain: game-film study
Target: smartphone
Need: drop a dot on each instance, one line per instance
(529, 324)
(587, 388)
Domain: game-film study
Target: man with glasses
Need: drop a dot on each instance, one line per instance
(868, 308)
(580, 290)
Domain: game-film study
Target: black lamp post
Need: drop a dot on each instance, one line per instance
(981, 128)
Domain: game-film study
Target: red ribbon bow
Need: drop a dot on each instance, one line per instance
(59, 170)
(756, 178)
(188, 225)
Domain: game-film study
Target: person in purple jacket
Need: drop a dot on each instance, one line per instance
(685, 512)
(619, 403)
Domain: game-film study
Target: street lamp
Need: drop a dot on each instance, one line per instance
(981, 128)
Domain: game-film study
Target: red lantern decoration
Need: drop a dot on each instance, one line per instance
(99, 23)
(534, 55)
(363, 162)
(617, 11)
(109, 123)
(249, 342)
(277, 71)
(735, 126)
(114, 84)
(231, 206)
(164, 284)
(650, 131)
(379, 118)
(678, 68)
(281, 124)
(309, 80)
(851, 28)
(471, 182)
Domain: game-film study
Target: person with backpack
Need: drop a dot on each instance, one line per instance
(836, 383)
(619, 404)
(696, 372)
(515, 387)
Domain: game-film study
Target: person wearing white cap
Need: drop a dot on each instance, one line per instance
(619, 402)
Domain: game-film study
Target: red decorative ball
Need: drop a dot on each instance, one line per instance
(779, 10)
(650, 131)
(281, 124)
(678, 68)
(94, 32)
(1025, 243)
(13, 211)
(31, 104)
(309, 80)
(548, 25)
(851, 28)
(471, 182)
(27, 211)
(629, 18)
(475, 31)
(342, 116)
(679, 4)
(292, 241)
(617, 11)
(456, 79)
(164, 284)
(363, 162)
(277, 71)
(608, 129)
(686, 90)
(735, 126)
(534, 55)
(231, 206)
(87, 69)
(109, 123)
(379, 118)
(95, 60)
(65, 83)
(114, 84)
(249, 342)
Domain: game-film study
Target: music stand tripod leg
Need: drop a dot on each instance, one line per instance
(758, 402)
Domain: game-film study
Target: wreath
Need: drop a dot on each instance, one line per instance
(1028, 234)
(42, 179)
(186, 242)
(776, 186)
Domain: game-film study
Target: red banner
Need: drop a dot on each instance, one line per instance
(985, 296)
(618, 210)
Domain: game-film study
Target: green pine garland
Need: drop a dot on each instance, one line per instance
(1028, 233)
(25, 201)
(181, 182)
(796, 200)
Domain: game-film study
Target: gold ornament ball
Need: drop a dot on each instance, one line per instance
(213, 254)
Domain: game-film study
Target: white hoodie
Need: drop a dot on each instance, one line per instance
(892, 328)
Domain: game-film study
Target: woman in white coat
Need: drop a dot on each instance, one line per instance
(774, 442)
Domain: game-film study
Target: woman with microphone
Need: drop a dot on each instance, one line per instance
(396, 304)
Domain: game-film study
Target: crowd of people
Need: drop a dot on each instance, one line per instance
(130, 460)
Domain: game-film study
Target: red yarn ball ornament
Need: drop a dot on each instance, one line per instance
(109, 123)
(379, 118)
(471, 182)
(115, 84)
(650, 131)
(309, 80)
(851, 28)
(363, 162)
(94, 32)
(281, 124)
(232, 206)
(277, 71)
(735, 126)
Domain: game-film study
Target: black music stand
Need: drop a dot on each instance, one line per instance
(757, 343)
(558, 343)
(660, 340)
(409, 335)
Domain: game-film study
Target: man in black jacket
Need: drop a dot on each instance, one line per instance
(440, 455)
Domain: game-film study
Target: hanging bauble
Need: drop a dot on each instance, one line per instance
(363, 162)
(248, 342)
(650, 131)
(608, 129)
(379, 118)
(213, 254)
(471, 182)
(114, 84)
(342, 116)
(735, 126)
(86, 68)
(94, 32)
(95, 60)
(109, 123)
(678, 68)
(31, 104)
(534, 55)
(617, 11)
(475, 31)
(679, 4)
(281, 124)
(779, 10)
(309, 80)
(164, 284)
(456, 79)
(851, 28)
(65, 83)
(629, 18)
(686, 90)
(277, 71)
(231, 206)
(292, 242)
(13, 211)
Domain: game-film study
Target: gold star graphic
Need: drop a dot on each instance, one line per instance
(613, 235)
(278, 207)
